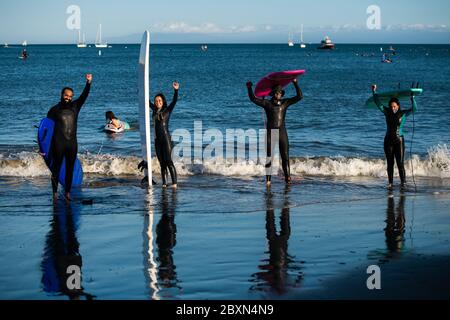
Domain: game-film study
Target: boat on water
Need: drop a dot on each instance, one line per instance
(81, 44)
(25, 43)
(302, 43)
(290, 41)
(326, 44)
(204, 48)
(6, 45)
(98, 39)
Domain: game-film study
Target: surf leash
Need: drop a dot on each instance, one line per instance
(412, 141)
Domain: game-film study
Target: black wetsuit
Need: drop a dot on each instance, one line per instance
(163, 140)
(394, 141)
(276, 114)
(64, 141)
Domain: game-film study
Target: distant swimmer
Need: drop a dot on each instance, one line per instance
(394, 141)
(113, 124)
(386, 59)
(64, 142)
(276, 113)
(24, 54)
(163, 141)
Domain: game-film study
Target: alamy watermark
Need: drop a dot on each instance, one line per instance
(74, 279)
(374, 280)
(232, 146)
(374, 19)
(73, 22)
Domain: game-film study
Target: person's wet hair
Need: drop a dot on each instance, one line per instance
(64, 89)
(163, 97)
(394, 100)
(109, 115)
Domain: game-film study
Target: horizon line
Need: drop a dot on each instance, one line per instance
(222, 43)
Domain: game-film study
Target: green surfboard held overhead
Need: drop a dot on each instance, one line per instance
(399, 94)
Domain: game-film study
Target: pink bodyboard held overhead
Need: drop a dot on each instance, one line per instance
(284, 78)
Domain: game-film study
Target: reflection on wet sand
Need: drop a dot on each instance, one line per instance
(395, 226)
(279, 272)
(394, 231)
(62, 260)
(161, 274)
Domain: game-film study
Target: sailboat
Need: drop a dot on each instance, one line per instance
(290, 41)
(24, 44)
(302, 43)
(98, 41)
(81, 44)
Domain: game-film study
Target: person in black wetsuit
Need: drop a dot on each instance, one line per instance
(163, 141)
(394, 141)
(64, 141)
(276, 113)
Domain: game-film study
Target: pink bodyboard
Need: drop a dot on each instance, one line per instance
(284, 78)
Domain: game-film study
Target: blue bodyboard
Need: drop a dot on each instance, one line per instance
(45, 135)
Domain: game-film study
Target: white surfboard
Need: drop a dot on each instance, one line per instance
(144, 107)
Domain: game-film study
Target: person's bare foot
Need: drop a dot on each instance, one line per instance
(175, 186)
(68, 197)
(288, 180)
(268, 184)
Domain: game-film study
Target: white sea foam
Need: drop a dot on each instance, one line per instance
(435, 164)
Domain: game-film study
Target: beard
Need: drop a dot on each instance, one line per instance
(65, 102)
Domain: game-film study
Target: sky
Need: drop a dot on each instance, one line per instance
(226, 21)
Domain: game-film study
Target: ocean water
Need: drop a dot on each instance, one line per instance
(140, 244)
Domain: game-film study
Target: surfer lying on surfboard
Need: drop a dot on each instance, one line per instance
(394, 141)
(163, 141)
(64, 142)
(275, 109)
(113, 124)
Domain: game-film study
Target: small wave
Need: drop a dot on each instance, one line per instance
(435, 164)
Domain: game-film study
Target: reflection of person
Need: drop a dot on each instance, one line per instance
(276, 109)
(166, 231)
(64, 141)
(275, 274)
(62, 251)
(395, 225)
(163, 141)
(394, 141)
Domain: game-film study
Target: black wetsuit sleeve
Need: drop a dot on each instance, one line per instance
(259, 102)
(51, 113)
(174, 101)
(298, 97)
(152, 106)
(82, 98)
(377, 101)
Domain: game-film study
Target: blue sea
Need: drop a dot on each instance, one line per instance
(222, 234)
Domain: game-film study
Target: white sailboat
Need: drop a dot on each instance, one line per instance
(24, 44)
(302, 43)
(81, 44)
(98, 41)
(290, 41)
